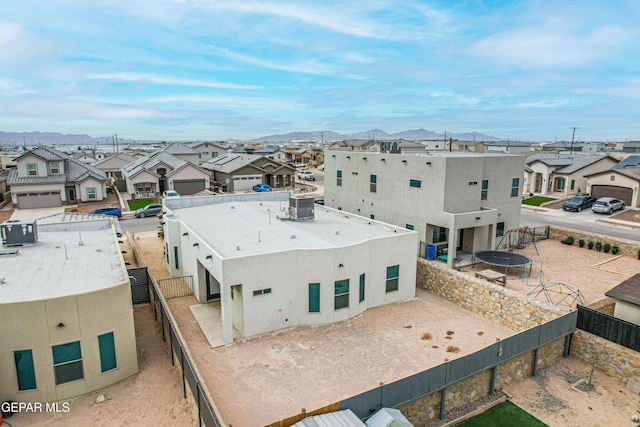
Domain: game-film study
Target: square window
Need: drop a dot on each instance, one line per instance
(91, 193)
(415, 183)
(439, 234)
(32, 169)
(54, 168)
(393, 274)
(341, 294)
(409, 227)
(67, 362)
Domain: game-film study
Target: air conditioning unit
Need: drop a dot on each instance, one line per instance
(301, 208)
(19, 232)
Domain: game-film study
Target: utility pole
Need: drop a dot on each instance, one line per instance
(444, 142)
(572, 136)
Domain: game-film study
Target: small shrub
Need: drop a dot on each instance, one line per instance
(434, 346)
(590, 245)
(450, 332)
(638, 254)
(481, 333)
(615, 249)
(426, 336)
(568, 240)
(452, 349)
(581, 242)
(598, 246)
(606, 248)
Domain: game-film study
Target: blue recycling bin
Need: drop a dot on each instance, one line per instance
(431, 252)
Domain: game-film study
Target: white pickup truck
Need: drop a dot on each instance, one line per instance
(306, 174)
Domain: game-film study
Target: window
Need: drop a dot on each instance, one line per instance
(91, 193)
(559, 184)
(32, 169)
(107, 349)
(500, 229)
(339, 178)
(143, 186)
(67, 362)
(612, 178)
(372, 216)
(341, 294)
(166, 252)
(54, 168)
(485, 189)
(175, 256)
(361, 298)
(262, 292)
(314, 297)
(372, 183)
(573, 185)
(24, 369)
(439, 234)
(409, 226)
(392, 278)
(515, 187)
(415, 183)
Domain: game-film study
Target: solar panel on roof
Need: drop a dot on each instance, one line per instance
(228, 158)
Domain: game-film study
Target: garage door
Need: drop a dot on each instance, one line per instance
(192, 186)
(622, 193)
(245, 183)
(40, 199)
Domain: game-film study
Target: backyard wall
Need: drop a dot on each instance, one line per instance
(627, 247)
(479, 296)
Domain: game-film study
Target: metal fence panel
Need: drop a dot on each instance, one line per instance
(404, 390)
(175, 343)
(190, 377)
(207, 416)
(608, 327)
(176, 287)
(139, 278)
(364, 404)
(551, 330)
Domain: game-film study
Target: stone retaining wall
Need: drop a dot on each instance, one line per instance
(627, 247)
(479, 296)
(617, 361)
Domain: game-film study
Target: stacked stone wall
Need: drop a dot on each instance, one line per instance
(627, 247)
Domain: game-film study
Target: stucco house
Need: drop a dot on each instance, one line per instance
(563, 174)
(112, 166)
(356, 144)
(622, 182)
(507, 147)
(208, 150)
(183, 152)
(241, 171)
(66, 310)
(274, 261)
(152, 174)
(631, 147)
(457, 201)
(627, 296)
(45, 177)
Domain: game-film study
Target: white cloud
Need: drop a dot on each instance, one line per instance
(155, 79)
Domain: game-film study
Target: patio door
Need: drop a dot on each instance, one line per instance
(213, 287)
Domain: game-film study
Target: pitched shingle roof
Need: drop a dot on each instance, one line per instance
(627, 291)
(568, 163)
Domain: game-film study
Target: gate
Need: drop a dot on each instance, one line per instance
(139, 278)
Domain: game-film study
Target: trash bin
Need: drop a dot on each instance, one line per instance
(431, 252)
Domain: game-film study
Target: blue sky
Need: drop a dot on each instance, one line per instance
(205, 69)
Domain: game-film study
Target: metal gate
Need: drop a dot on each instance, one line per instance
(139, 278)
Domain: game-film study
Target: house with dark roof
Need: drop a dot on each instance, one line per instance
(45, 177)
(631, 147)
(627, 296)
(208, 150)
(562, 174)
(113, 165)
(241, 171)
(161, 171)
(356, 144)
(622, 181)
(183, 152)
(508, 147)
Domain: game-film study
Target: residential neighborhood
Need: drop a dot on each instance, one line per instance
(399, 224)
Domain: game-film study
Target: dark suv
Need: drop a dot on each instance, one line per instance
(579, 202)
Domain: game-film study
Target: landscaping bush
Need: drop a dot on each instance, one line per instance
(590, 245)
(599, 246)
(581, 242)
(615, 249)
(568, 241)
(606, 248)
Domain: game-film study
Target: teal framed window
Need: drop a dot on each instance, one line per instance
(67, 362)
(24, 369)
(54, 168)
(175, 256)
(439, 234)
(361, 296)
(91, 193)
(415, 183)
(264, 291)
(107, 347)
(515, 187)
(314, 297)
(341, 294)
(32, 169)
(409, 226)
(373, 183)
(485, 189)
(339, 178)
(393, 277)
(500, 229)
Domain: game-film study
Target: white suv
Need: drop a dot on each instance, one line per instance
(306, 174)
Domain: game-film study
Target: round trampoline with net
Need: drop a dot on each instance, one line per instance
(502, 259)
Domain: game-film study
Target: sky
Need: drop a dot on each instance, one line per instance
(217, 70)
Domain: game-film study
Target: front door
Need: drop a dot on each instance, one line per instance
(213, 287)
(71, 194)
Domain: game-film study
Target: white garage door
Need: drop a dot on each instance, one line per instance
(244, 183)
(39, 199)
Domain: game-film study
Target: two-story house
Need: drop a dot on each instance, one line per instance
(45, 177)
(456, 200)
(208, 150)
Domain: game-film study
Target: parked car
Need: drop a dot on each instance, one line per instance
(149, 210)
(306, 174)
(607, 205)
(579, 202)
(170, 194)
(107, 210)
(261, 188)
(321, 167)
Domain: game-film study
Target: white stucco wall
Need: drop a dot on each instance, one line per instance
(91, 183)
(626, 311)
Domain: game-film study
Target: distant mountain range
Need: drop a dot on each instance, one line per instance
(55, 138)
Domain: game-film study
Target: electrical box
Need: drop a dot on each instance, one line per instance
(19, 232)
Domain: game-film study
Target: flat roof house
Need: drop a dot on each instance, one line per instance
(274, 261)
(458, 201)
(65, 310)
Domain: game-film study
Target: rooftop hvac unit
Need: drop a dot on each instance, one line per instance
(301, 208)
(19, 232)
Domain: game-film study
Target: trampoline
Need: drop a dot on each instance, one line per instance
(502, 259)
